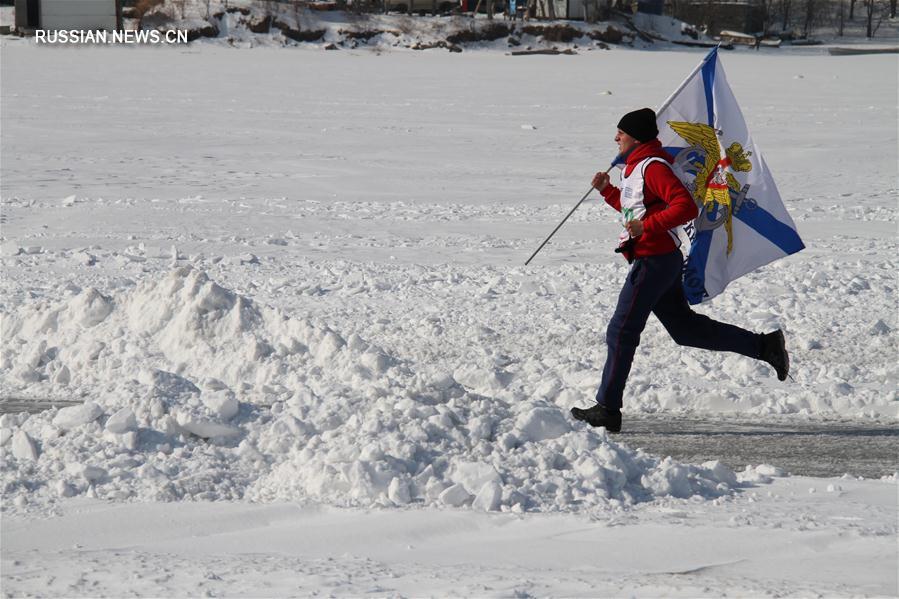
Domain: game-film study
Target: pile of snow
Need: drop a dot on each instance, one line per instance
(198, 392)
(186, 324)
(468, 450)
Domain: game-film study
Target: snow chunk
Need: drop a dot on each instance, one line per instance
(721, 473)
(474, 475)
(488, 498)
(85, 258)
(23, 447)
(206, 428)
(89, 473)
(770, 470)
(91, 307)
(330, 345)
(121, 422)
(221, 404)
(168, 384)
(455, 496)
(376, 361)
(542, 423)
(763, 473)
(75, 416)
(481, 380)
(669, 478)
(398, 492)
(63, 376)
(442, 381)
(64, 489)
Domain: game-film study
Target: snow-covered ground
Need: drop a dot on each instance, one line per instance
(797, 537)
(296, 277)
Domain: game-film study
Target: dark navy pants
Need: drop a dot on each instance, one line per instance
(654, 286)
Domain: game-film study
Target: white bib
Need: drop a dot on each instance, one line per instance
(632, 206)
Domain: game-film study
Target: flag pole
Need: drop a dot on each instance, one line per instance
(559, 226)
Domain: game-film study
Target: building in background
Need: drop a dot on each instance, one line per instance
(747, 16)
(87, 15)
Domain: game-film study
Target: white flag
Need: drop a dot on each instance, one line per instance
(742, 223)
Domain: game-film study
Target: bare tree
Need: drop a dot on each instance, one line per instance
(767, 7)
(869, 12)
(851, 9)
(892, 9)
(785, 7)
(709, 17)
(840, 13)
(810, 16)
(873, 24)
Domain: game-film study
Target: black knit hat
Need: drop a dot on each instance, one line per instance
(640, 124)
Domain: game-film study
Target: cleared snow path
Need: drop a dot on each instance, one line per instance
(808, 449)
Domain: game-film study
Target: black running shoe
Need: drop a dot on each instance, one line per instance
(599, 416)
(774, 352)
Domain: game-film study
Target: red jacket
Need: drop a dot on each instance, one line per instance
(668, 203)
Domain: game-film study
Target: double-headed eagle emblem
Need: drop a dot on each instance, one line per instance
(714, 180)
